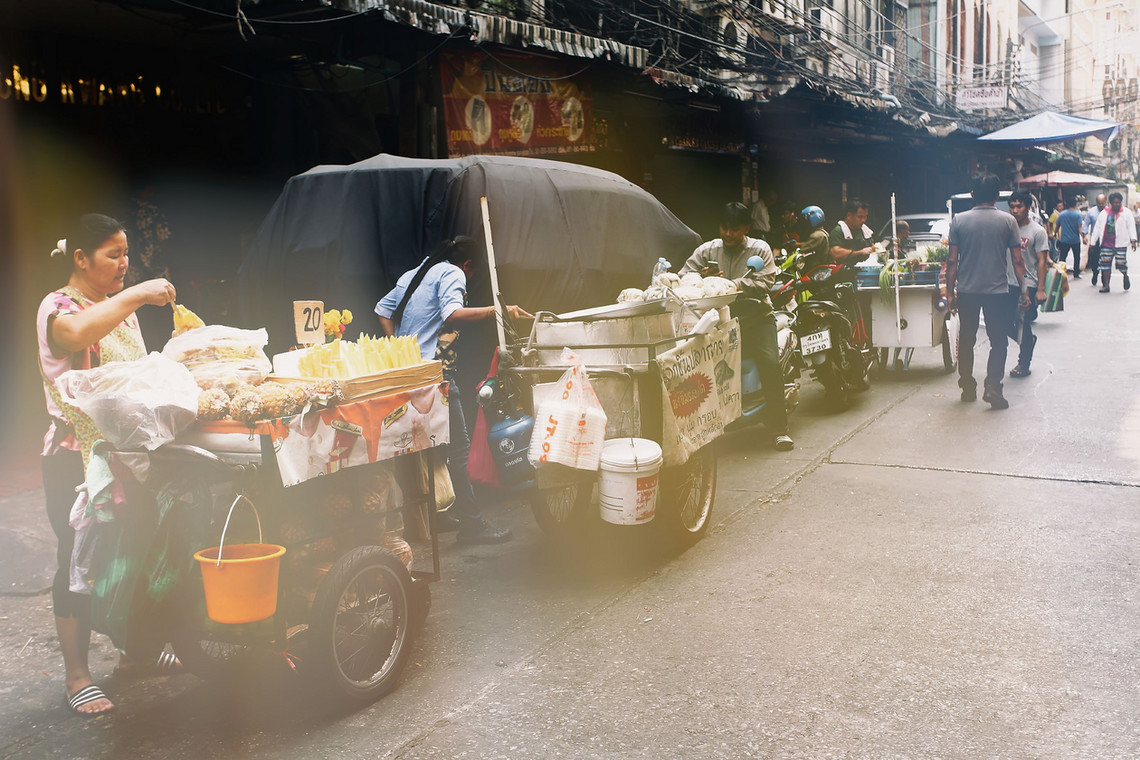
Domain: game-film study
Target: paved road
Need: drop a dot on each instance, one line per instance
(920, 578)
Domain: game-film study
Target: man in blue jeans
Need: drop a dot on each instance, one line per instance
(982, 240)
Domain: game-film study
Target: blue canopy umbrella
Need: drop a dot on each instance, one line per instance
(1050, 127)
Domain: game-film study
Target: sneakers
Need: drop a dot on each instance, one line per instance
(783, 442)
(993, 397)
(1127, 282)
(970, 394)
(1104, 289)
(483, 532)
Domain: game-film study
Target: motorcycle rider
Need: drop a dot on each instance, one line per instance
(727, 256)
(814, 240)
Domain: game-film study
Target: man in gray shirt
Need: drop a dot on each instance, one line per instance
(981, 240)
(1035, 251)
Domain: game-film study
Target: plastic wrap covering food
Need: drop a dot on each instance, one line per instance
(222, 357)
(135, 405)
(631, 295)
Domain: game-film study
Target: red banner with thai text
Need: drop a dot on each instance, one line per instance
(514, 104)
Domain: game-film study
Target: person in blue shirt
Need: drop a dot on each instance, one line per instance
(1069, 235)
(430, 302)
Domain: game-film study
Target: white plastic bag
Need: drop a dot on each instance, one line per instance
(570, 425)
(222, 357)
(135, 405)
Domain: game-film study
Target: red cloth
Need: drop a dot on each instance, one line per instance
(480, 463)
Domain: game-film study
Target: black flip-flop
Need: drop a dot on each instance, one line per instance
(90, 693)
(1018, 372)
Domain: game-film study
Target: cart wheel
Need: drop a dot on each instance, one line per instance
(361, 624)
(685, 498)
(949, 353)
(563, 512)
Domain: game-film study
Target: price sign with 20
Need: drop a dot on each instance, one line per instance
(308, 321)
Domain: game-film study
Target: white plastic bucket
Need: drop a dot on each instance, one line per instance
(627, 485)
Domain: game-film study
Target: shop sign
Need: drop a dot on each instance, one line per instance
(24, 82)
(516, 104)
(978, 98)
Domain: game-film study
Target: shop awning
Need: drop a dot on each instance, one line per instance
(1064, 179)
(444, 19)
(1050, 127)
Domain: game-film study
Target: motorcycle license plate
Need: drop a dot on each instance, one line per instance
(816, 342)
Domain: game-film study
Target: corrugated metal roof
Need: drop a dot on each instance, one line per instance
(443, 19)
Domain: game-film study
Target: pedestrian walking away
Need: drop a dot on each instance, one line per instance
(982, 241)
(1035, 245)
(430, 303)
(1114, 233)
(1069, 235)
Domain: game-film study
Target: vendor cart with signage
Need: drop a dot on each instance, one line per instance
(667, 394)
(908, 311)
(306, 539)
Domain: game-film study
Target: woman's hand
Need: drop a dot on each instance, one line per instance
(515, 312)
(156, 292)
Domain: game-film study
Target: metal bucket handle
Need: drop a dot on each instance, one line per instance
(230, 514)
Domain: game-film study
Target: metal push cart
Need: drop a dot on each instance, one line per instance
(910, 316)
(352, 592)
(619, 345)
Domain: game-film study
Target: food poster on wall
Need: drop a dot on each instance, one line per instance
(514, 104)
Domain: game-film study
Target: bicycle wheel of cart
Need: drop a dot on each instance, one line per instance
(361, 625)
(563, 512)
(685, 498)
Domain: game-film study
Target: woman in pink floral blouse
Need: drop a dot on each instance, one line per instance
(88, 322)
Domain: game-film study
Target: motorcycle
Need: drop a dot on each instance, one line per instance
(834, 343)
(753, 400)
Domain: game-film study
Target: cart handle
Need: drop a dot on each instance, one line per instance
(230, 514)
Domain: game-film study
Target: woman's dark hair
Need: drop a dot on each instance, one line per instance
(457, 251)
(86, 234)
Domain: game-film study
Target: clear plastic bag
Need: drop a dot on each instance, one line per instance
(222, 357)
(135, 405)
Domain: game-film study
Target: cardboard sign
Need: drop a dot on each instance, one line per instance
(701, 379)
(309, 322)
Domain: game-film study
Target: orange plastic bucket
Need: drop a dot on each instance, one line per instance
(240, 581)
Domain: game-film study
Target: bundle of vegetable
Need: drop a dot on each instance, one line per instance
(344, 359)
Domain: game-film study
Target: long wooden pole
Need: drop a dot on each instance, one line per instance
(496, 299)
(898, 272)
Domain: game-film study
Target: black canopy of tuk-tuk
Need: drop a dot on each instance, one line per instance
(565, 236)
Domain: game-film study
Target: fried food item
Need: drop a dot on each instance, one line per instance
(185, 320)
(213, 404)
